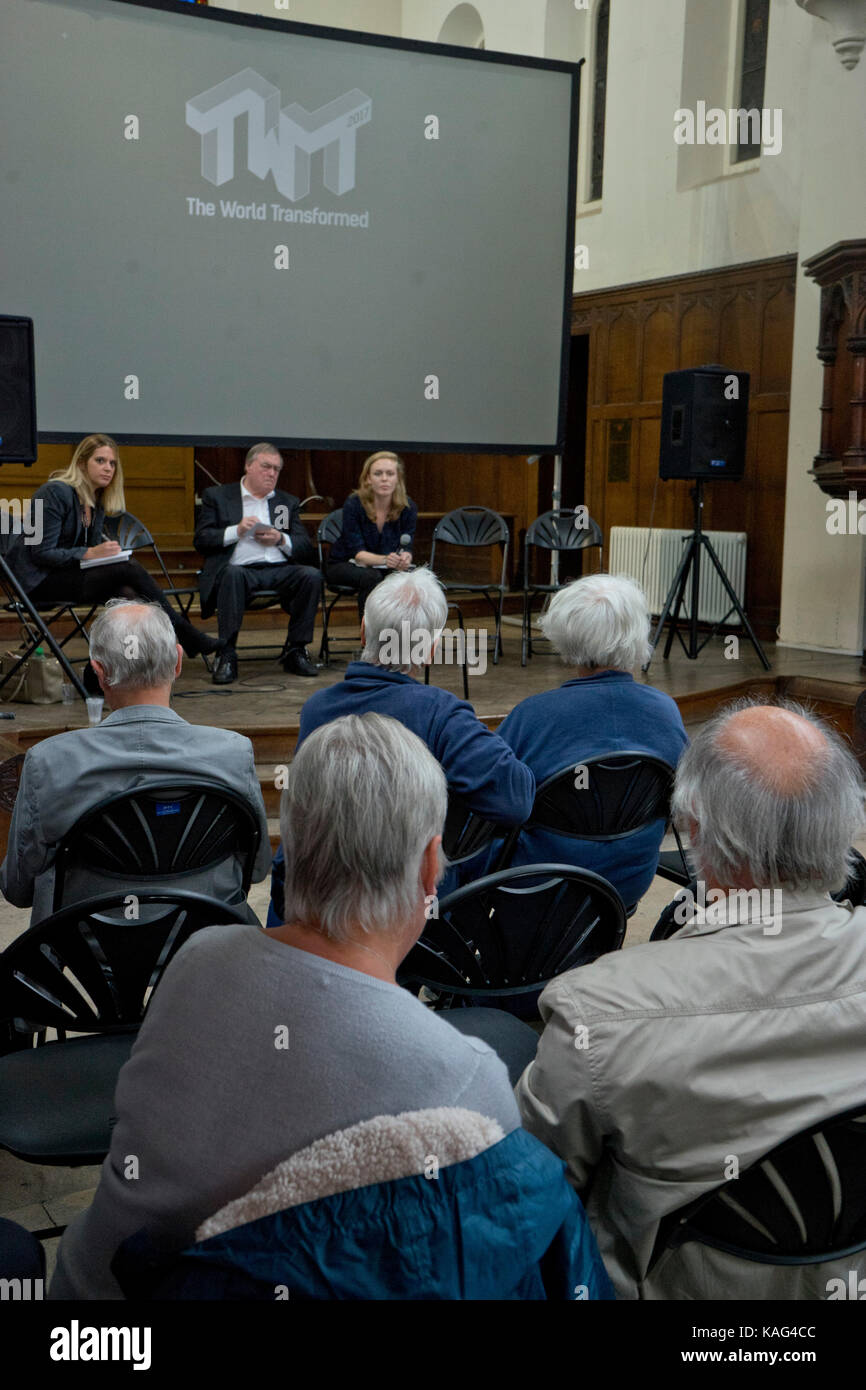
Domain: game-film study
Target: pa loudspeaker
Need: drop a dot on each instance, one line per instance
(705, 415)
(17, 391)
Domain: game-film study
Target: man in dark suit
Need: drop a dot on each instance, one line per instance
(253, 539)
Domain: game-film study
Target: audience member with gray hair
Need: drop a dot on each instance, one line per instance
(600, 627)
(258, 1043)
(136, 659)
(402, 619)
(734, 1034)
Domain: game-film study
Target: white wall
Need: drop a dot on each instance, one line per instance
(370, 16)
(822, 580)
(650, 223)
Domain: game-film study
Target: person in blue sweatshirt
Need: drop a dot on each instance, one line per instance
(599, 625)
(479, 766)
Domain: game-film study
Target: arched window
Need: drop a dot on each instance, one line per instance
(753, 64)
(599, 93)
(463, 26)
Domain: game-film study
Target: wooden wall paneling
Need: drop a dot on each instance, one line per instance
(777, 312)
(699, 332)
(658, 348)
(739, 343)
(622, 357)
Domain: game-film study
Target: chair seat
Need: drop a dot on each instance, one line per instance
(57, 1101)
(670, 866)
(513, 1041)
(455, 584)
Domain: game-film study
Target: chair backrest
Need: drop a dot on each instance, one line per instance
(511, 932)
(10, 777)
(465, 832)
(803, 1203)
(558, 530)
(471, 526)
(132, 534)
(159, 830)
(92, 967)
(605, 797)
(329, 530)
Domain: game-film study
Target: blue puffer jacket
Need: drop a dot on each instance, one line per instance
(503, 1224)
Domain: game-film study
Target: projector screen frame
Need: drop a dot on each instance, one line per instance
(193, 13)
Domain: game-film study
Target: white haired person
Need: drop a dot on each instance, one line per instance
(136, 658)
(600, 627)
(258, 1043)
(403, 618)
(701, 1053)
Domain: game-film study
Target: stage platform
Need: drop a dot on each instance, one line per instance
(265, 703)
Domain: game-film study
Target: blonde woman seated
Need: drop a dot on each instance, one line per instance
(74, 504)
(379, 523)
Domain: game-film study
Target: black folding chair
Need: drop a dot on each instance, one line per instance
(37, 620)
(160, 830)
(464, 669)
(330, 530)
(470, 527)
(602, 799)
(90, 969)
(465, 833)
(804, 1203)
(510, 933)
(552, 531)
(132, 534)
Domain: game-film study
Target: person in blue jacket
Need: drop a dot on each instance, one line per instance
(600, 627)
(378, 528)
(479, 766)
(431, 1204)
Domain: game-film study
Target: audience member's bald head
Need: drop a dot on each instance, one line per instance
(772, 796)
(776, 746)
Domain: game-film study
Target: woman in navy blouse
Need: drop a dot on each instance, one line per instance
(378, 528)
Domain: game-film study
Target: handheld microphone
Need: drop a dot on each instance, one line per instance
(405, 540)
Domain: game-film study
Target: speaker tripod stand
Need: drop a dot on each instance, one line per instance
(691, 563)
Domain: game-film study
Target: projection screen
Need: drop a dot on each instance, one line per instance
(228, 228)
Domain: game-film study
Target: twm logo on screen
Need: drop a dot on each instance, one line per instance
(279, 142)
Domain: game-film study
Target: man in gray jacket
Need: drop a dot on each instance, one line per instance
(136, 659)
(667, 1069)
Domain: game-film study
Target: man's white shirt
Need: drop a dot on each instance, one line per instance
(247, 551)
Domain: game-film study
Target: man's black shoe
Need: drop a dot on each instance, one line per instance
(297, 663)
(226, 668)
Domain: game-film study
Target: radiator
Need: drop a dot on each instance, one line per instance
(655, 565)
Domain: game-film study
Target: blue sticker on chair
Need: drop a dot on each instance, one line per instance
(168, 808)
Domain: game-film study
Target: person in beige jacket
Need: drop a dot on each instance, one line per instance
(668, 1068)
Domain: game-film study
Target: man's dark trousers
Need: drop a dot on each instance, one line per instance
(299, 588)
